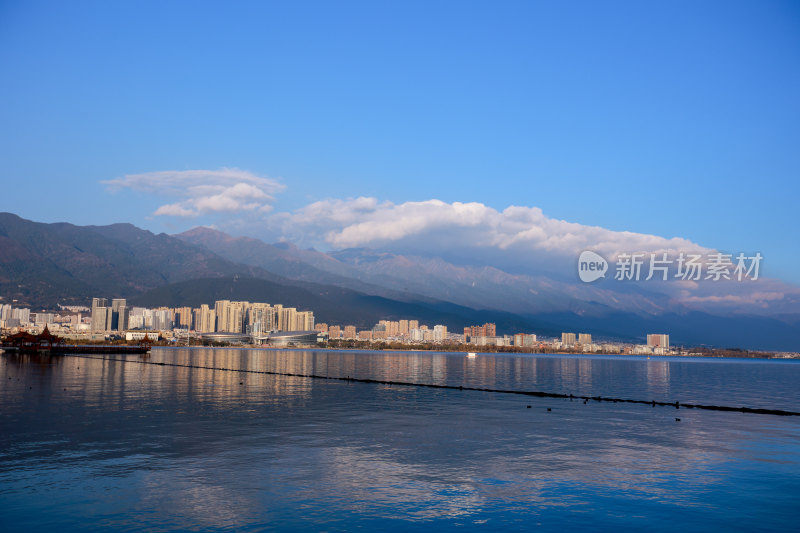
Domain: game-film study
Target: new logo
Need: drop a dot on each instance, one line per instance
(591, 266)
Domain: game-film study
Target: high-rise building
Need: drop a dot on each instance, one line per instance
(116, 303)
(349, 332)
(584, 338)
(287, 319)
(42, 319)
(122, 318)
(391, 327)
(230, 315)
(119, 315)
(334, 332)
(99, 314)
(304, 321)
(261, 318)
(204, 319)
(23, 315)
(439, 333)
(658, 340)
(162, 319)
(222, 310)
(487, 330)
(182, 317)
(568, 339)
(379, 331)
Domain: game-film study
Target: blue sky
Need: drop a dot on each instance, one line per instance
(677, 119)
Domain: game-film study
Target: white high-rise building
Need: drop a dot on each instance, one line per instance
(658, 340)
(99, 314)
(204, 319)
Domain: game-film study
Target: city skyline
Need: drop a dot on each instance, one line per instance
(260, 323)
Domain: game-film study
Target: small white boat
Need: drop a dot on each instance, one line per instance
(472, 354)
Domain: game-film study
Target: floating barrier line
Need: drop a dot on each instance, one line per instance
(536, 394)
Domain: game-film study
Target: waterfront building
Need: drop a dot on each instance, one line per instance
(204, 319)
(524, 340)
(568, 339)
(295, 338)
(261, 318)
(162, 319)
(584, 338)
(489, 329)
(119, 315)
(287, 319)
(182, 317)
(230, 316)
(658, 340)
(379, 331)
(304, 321)
(99, 308)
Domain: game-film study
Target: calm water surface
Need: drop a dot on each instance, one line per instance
(93, 445)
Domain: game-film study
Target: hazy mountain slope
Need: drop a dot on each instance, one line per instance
(293, 263)
(45, 264)
(402, 277)
(31, 279)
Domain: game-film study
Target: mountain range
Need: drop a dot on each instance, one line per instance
(42, 265)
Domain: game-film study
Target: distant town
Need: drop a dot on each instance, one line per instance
(255, 323)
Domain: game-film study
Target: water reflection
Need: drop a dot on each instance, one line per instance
(190, 447)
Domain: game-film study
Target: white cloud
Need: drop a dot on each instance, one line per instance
(433, 223)
(202, 192)
(174, 210)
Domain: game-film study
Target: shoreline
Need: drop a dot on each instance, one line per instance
(502, 353)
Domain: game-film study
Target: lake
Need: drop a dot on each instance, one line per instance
(124, 443)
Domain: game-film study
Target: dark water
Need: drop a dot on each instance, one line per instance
(96, 445)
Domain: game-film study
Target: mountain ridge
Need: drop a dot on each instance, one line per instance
(42, 265)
